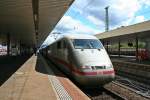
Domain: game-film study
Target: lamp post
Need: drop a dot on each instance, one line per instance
(106, 19)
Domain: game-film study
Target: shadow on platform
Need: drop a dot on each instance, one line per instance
(40, 67)
(9, 65)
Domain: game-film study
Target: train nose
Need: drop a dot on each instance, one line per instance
(96, 80)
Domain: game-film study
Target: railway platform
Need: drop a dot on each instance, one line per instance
(129, 67)
(35, 80)
(130, 59)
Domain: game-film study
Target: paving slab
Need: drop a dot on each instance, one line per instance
(27, 84)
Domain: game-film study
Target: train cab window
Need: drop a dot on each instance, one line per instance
(87, 44)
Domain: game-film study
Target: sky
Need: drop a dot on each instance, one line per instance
(88, 16)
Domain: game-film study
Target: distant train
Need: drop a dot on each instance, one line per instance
(83, 57)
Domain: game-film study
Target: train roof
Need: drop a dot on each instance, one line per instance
(75, 36)
(79, 36)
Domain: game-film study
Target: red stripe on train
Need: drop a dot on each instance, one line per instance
(78, 71)
(109, 72)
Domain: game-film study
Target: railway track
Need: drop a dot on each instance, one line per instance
(101, 94)
(139, 88)
(120, 89)
(134, 71)
(135, 77)
(128, 89)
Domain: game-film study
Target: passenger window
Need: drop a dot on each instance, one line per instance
(64, 44)
(59, 45)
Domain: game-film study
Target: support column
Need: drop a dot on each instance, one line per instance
(19, 47)
(103, 42)
(137, 47)
(119, 48)
(107, 46)
(147, 47)
(8, 44)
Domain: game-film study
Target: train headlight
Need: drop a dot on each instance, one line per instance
(109, 66)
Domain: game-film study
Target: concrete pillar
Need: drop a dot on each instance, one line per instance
(119, 45)
(147, 47)
(137, 47)
(102, 42)
(34, 49)
(107, 47)
(8, 44)
(18, 47)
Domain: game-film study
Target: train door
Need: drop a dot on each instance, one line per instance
(66, 54)
(65, 51)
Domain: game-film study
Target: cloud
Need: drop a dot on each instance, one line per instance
(145, 3)
(49, 40)
(70, 25)
(95, 20)
(139, 19)
(120, 11)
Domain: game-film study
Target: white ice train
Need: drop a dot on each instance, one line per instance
(83, 57)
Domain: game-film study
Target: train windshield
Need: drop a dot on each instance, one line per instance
(87, 44)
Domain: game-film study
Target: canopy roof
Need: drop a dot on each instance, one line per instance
(140, 30)
(30, 21)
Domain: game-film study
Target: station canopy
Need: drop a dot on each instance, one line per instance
(125, 33)
(30, 21)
